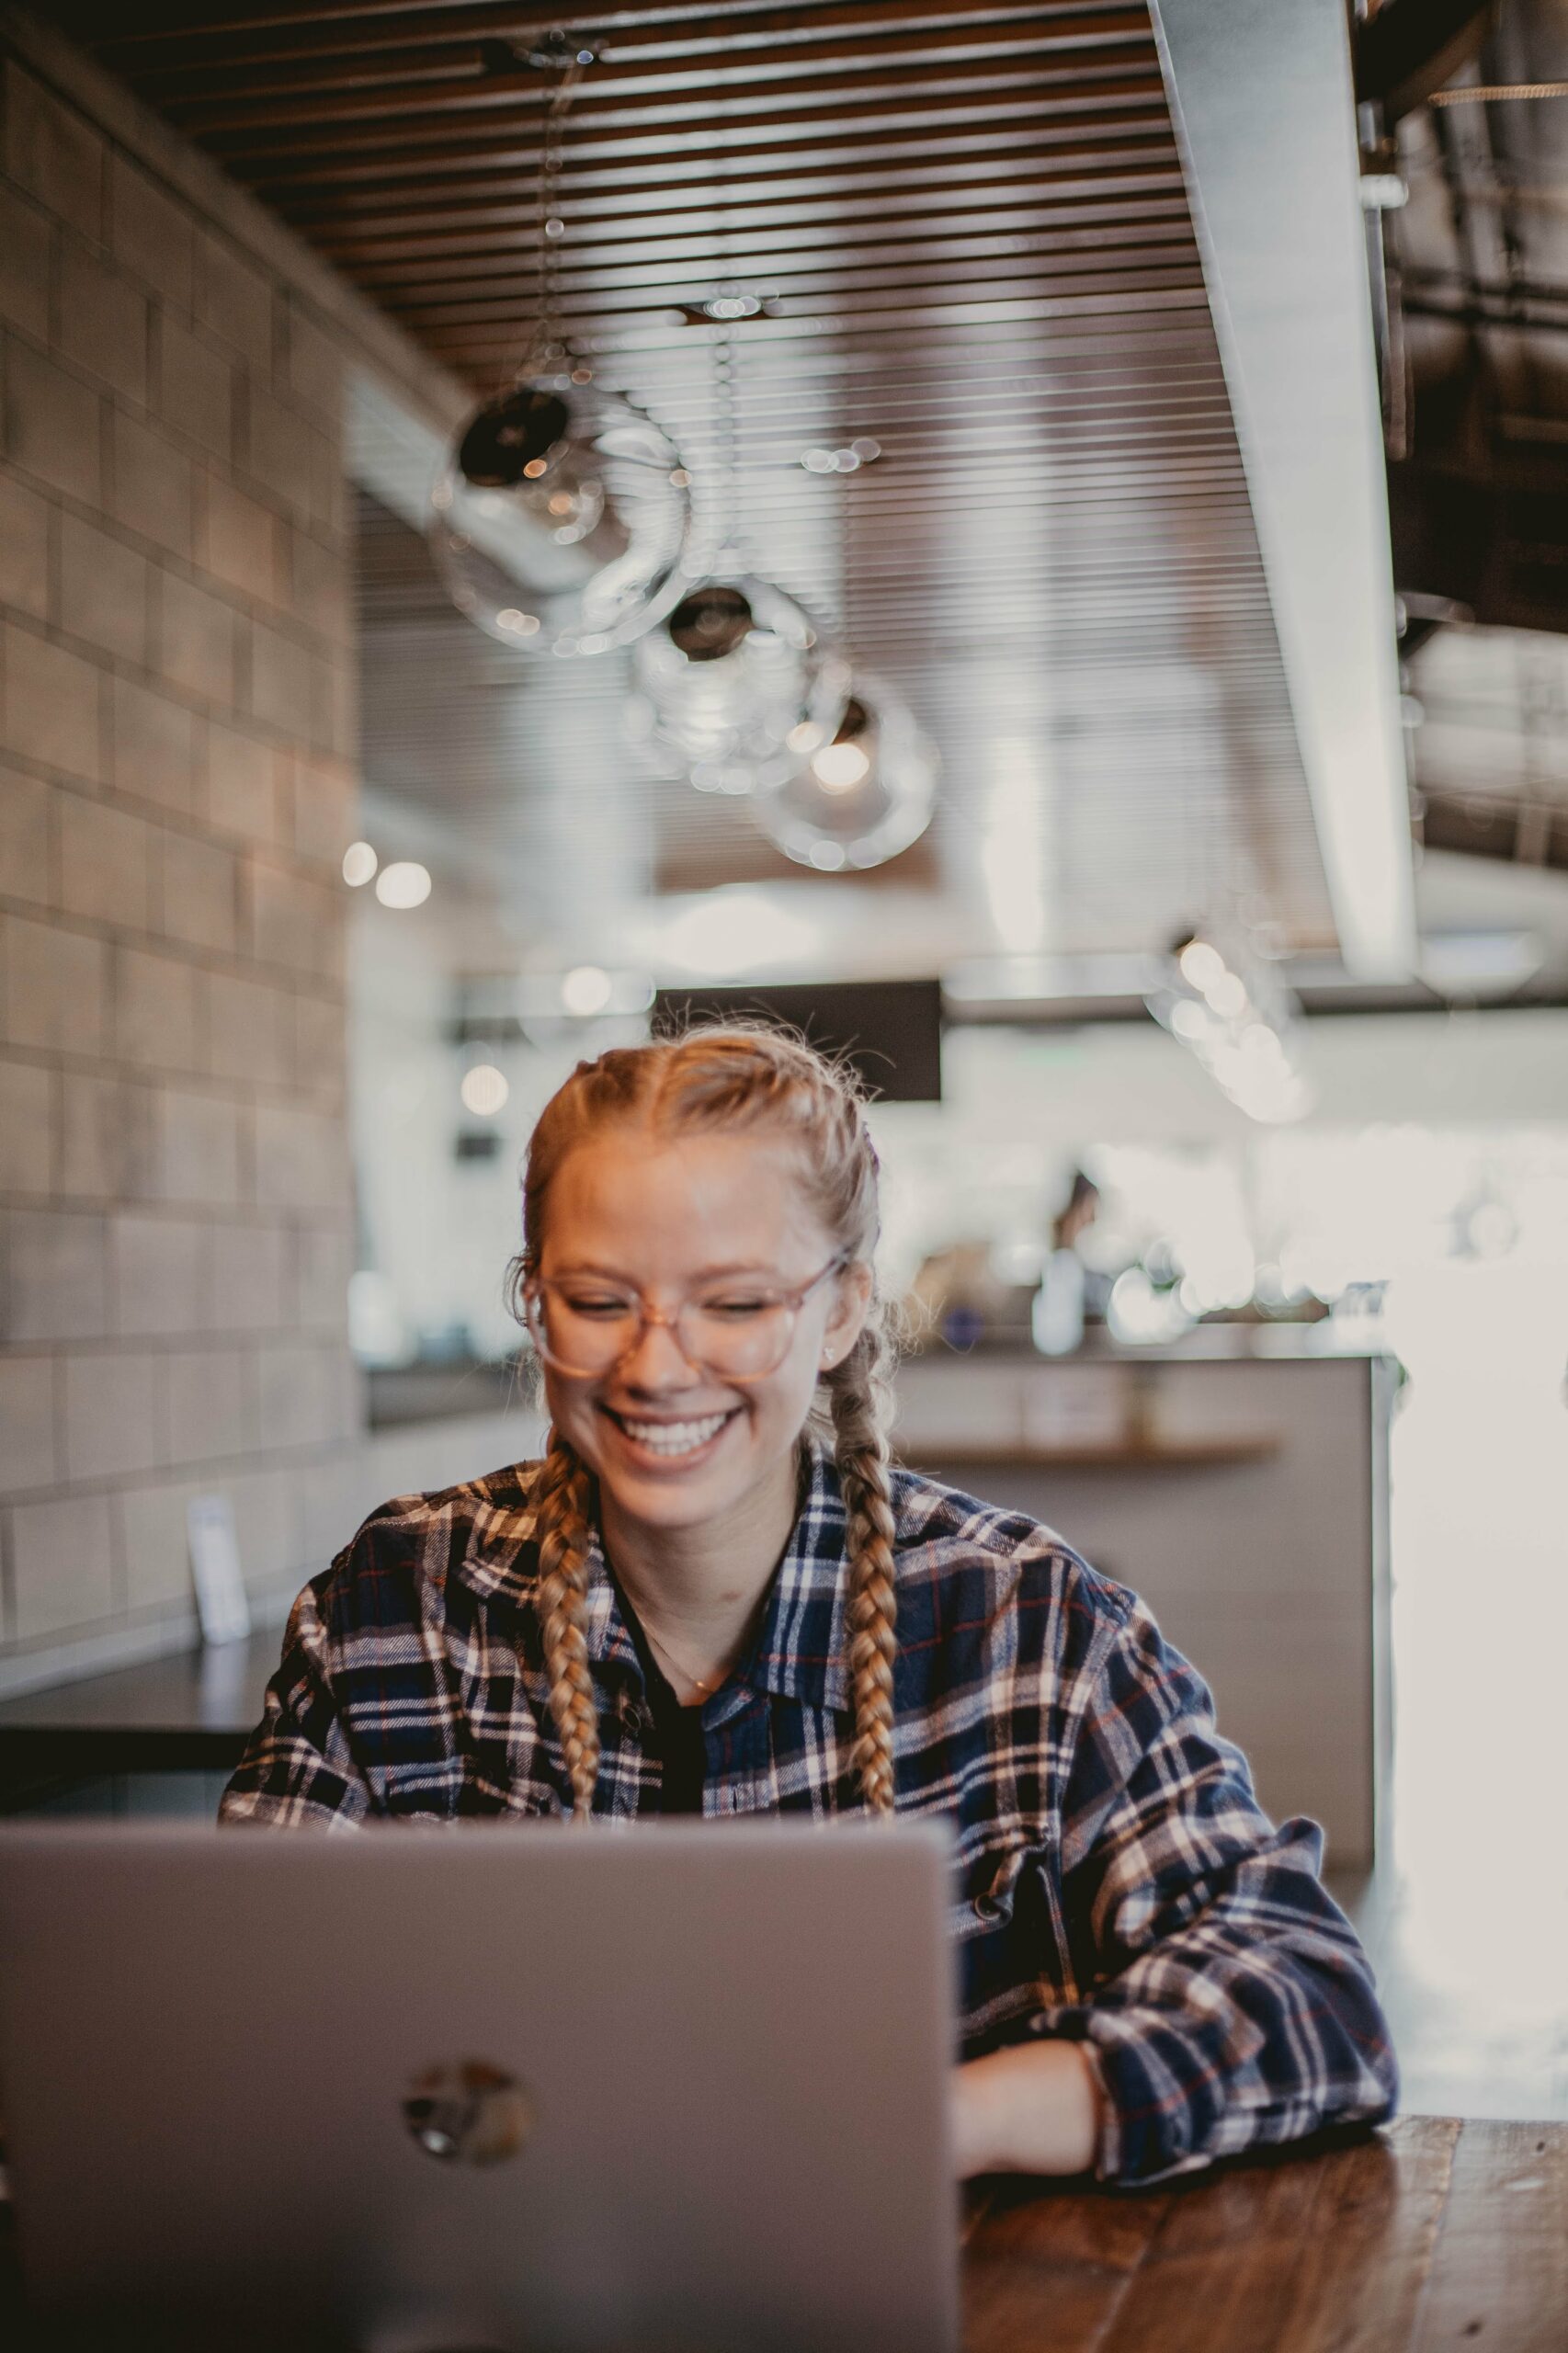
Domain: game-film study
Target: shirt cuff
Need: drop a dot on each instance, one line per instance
(1151, 2126)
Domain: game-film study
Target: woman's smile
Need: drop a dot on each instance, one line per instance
(665, 1440)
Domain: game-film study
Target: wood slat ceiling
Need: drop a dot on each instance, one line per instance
(969, 226)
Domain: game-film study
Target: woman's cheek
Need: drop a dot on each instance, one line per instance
(571, 1413)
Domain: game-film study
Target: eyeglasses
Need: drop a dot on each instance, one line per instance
(736, 1330)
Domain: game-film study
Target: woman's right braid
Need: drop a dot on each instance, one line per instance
(562, 1532)
(857, 1393)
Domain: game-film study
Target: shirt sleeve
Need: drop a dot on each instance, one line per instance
(299, 1768)
(1229, 2003)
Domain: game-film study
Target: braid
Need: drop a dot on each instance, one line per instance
(857, 1393)
(561, 1505)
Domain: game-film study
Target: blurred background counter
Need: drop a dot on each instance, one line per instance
(1238, 1481)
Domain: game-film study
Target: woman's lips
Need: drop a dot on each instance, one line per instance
(668, 1439)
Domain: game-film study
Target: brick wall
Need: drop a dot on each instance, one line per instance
(177, 787)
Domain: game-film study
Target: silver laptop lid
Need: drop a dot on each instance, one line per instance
(681, 2089)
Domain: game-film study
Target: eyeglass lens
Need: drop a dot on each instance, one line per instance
(591, 1335)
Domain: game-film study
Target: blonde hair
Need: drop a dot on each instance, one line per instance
(762, 1082)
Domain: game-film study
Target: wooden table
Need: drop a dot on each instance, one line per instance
(1429, 2235)
(1433, 2236)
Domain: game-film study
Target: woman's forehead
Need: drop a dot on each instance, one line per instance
(625, 1194)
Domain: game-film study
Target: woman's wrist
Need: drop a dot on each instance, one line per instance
(1033, 2108)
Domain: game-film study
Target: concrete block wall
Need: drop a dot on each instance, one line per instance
(176, 787)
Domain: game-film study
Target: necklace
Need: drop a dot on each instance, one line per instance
(701, 1684)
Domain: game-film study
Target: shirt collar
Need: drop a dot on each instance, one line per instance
(797, 1650)
(501, 1564)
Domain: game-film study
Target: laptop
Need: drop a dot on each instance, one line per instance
(680, 2088)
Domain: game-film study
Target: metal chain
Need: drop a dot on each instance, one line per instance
(726, 528)
(701, 1684)
(546, 347)
(728, 533)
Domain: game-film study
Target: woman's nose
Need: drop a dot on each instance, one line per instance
(656, 1360)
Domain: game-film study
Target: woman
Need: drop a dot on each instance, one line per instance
(714, 1595)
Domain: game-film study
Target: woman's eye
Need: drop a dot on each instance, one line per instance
(733, 1309)
(598, 1306)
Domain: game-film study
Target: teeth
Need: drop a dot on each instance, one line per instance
(674, 1438)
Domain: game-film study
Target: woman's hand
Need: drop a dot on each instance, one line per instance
(1034, 2108)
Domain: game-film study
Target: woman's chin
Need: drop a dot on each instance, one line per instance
(649, 1503)
(692, 1498)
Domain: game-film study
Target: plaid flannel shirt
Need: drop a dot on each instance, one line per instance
(1117, 1881)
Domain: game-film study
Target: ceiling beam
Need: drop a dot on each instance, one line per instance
(1264, 104)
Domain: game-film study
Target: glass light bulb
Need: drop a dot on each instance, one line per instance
(841, 766)
(873, 797)
(561, 518)
(740, 677)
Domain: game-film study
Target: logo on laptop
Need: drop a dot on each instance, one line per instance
(468, 2113)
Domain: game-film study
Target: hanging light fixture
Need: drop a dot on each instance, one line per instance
(740, 675)
(861, 796)
(1226, 1005)
(561, 518)
(559, 522)
(739, 681)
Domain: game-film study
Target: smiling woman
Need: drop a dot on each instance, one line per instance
(715, 1595)
(732, 1176)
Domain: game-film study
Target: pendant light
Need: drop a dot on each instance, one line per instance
(739, 679)
(1225, 1003)
(561, 518)
(862, 796)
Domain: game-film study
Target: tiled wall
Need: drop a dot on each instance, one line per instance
(177, 787)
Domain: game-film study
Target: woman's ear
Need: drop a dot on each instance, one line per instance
(846, 1318)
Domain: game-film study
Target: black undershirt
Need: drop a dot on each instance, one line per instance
(677, 1736)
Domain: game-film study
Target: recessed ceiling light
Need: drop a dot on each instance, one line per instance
(403, 884)
(855, 454)
(484, 1090)
(586, 990)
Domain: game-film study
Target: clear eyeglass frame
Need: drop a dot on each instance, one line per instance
(779, 1336)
